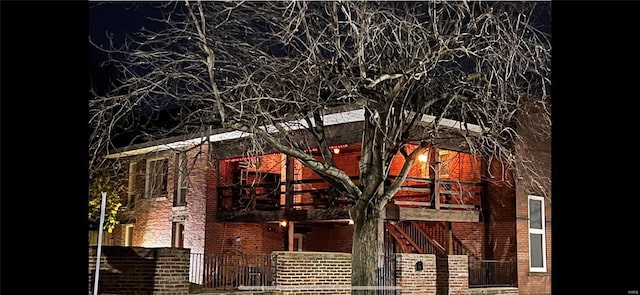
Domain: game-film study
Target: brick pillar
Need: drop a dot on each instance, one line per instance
(452, 275)
(416, 274)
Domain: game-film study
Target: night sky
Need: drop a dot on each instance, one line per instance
(117, 19)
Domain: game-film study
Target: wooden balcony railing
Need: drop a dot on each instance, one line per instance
(317, 194)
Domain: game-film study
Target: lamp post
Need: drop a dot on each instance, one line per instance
(103, 204)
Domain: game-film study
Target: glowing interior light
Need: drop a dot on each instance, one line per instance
(283, 223)
(350, 222)
(336, 151)
(422, 158)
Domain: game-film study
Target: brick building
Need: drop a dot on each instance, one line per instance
(206, 195)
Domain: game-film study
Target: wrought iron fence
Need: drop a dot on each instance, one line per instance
(230, 271)
(491, 273)
(387, 275)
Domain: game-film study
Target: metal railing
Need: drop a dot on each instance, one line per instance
(230, 271)
(491, 273)
(387, 275)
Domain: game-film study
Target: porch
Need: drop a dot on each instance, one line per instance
(314, 199)
(441, 186)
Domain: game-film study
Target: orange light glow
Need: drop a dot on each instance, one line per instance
(422, 158)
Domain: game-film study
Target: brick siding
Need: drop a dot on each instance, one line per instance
(312, 273)
(412, 281)
(136, 270)
(330, 273)
(452, 277)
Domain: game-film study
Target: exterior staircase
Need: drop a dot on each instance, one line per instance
(411, 237)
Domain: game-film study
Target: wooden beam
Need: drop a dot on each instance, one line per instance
(289, 163)
(392, 212)
(449, 238)
(428, 205)
(290, 235)
(435, 163)
(458, 206)
(420, 214)
(412, 203)
(415, 189)
(291, 215)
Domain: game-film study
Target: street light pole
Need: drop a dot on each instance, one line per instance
(103, 204)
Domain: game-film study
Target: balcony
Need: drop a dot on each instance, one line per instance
(314, 199)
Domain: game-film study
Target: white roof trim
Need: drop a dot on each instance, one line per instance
(329, 120)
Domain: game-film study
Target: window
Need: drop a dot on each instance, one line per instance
(180, 193)
(537, 249)
(128, 235)
(177, 237)
(131, 191)
(156, 178)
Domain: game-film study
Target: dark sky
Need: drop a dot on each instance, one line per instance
(117, 19)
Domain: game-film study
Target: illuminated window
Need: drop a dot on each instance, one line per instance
(537, 249)
(156, 178)
(128, 235)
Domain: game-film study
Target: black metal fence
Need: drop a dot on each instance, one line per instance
(491, 273)
(230, 271)
(387, 275)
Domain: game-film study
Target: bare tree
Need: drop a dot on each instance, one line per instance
(275, 69)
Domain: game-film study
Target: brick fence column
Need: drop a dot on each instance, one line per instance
(452, 275)
(416, 274)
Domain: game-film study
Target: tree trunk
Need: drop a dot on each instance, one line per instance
(367, 249)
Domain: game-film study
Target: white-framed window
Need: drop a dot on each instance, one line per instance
(537, 242)
(180, 196)
(131, 191)
(177, 234)
(156, 178)
(128, 235)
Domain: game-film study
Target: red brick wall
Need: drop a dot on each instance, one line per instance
(348, 162)
(471, 234)
(531, 282)
(255, 238)
(330, 273)
(136, 270)
(312, 273)
(153, 217)
(194, 225)
(328, 237)
(499, 216)
(534, 149)
(262, 238)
